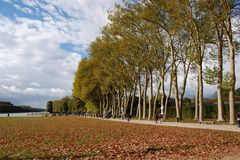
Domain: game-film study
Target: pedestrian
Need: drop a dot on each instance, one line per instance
(122, 115)
(129, 117)
(161, 117)
(238, 119)
(156, 117)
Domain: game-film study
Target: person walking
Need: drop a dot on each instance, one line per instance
(238, 119)
(129, 117)
(121, 115)
(156, 117)
(161, 118)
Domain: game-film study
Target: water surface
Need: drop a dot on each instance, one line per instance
(25, 114)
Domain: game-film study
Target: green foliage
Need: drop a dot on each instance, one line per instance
(211, 75)
(226, 81)
(143, 37)
(8, 107)
(49, 106)
(91, 107)
(188, 112)
(67, 105)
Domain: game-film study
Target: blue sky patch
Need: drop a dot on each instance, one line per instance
(9, 10)
(69, 47)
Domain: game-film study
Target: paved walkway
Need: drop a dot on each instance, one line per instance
(233, 128)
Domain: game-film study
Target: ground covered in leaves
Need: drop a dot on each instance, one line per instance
(85, 138)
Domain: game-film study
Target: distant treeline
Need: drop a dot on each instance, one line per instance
(74, 105)
(8, 107)
(66, 105)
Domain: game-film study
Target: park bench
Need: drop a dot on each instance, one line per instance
(206, 122)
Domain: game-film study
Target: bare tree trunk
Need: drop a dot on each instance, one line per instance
(228, 28)
(104, 105)
(100, 108)
(139, 99)
(133, 98)
(196, 117)
(156, 98)
(119, 102)
(145, 95)
(107, 102)
(113, 106)
(125, 102)
(184, 87)
(168, 96)
(200, 99)
(175, 84)
(231, 107)
(220, 76)
(150, 97)
(232, 79)
(128, 98)
(162, 77)
(122, 103)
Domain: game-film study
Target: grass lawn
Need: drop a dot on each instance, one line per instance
(78, 137)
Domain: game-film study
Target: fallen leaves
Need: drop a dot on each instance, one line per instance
(78, 137)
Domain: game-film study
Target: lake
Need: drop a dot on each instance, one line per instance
(27, 114)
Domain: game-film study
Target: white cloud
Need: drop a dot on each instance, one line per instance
(35, 84)
(8, 1)
(31, 3)
(30, 91)
(34, 68)
(11, 89)
(23, 9)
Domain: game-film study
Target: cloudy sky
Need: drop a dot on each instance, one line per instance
(41, 44)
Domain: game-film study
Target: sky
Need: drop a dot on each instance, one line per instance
(41, 44)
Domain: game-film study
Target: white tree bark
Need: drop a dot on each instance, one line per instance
(200, 98)
(196, 117)
(220, 75)
(133, 98)
(155, 98)
(139, 112)
(145, 95)
(150, 97)
(232, 81)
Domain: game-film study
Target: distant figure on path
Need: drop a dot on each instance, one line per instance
(122, 115)
(161, 117)
(129, 117)
(238, 119)
(156, 117)
(8, 114)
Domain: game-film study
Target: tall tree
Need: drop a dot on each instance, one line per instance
(228, 6)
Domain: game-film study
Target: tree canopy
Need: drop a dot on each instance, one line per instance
(149, 46)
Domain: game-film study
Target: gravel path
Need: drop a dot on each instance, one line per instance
(233, 128)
